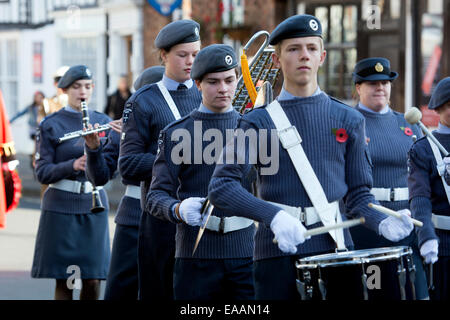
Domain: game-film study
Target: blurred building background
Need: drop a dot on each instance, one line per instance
(115, 37)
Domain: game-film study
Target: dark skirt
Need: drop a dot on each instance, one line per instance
(68, 242)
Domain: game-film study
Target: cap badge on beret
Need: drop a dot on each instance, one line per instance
(313, 24)
(379, 67)
(228, 60)
(197, 33)
(88, 72)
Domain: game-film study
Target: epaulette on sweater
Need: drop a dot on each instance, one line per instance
(176, 122)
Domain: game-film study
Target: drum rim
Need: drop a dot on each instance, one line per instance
(344, 258)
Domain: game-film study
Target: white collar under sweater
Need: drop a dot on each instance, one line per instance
(285, 95)
(386, 109)
(172, 85)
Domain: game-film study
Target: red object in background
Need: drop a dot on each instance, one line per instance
(37, 62)
(432, 67)
(430, 118)
(6, 150)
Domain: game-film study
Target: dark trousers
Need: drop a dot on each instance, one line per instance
(122, 281)
(441, 279)
(213, 279)
(275, 278)
(156, 257)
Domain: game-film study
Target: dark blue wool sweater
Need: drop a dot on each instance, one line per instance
(427, 193)
(146, 113)
(101, 167)
(388, 147)
(54, 161)
(341, 167)
(174, 182)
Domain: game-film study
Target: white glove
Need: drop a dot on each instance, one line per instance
(429, 251)
(190, 210)
(289, 232)
(395, 229)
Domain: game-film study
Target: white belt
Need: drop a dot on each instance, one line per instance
(133, 192)
(390, 194)
(227, 224)
(307, 216)
(73, 186)
(440, 222)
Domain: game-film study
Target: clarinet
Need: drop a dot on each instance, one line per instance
(97, 205)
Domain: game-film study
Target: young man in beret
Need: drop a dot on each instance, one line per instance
(429, 194)
(221, 267)
(150, 110)
(330, 163)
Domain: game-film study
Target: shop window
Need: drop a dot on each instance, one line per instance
(339, 25)
(431, 55)
(82, 51)
(9, 74)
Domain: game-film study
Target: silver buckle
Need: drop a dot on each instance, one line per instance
(289, 137)
(392, 194)
(302, 216)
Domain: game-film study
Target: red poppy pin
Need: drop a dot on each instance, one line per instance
(101, 134)
(341, 134)
(407, 130)
(249, 105)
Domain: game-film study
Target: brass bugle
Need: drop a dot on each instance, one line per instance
(81, 133)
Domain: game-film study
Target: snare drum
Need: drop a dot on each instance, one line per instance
(372, 274)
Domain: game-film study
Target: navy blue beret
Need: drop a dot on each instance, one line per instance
(441, 94)
(213, 58)
(180, 31)
(74, 73)
(298, 26)
(148, 76)
(373, 69)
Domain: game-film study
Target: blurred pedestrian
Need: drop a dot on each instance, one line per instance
(116, 101)
(32, 110)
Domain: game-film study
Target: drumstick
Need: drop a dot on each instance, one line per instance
(325, 229)
(393, 213)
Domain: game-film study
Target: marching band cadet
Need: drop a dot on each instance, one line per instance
(101, 165)
(389, 138)
(335, 167)
(51, 105)
(145, 115)
(429, 194)
(222, 265)
(70, 239)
